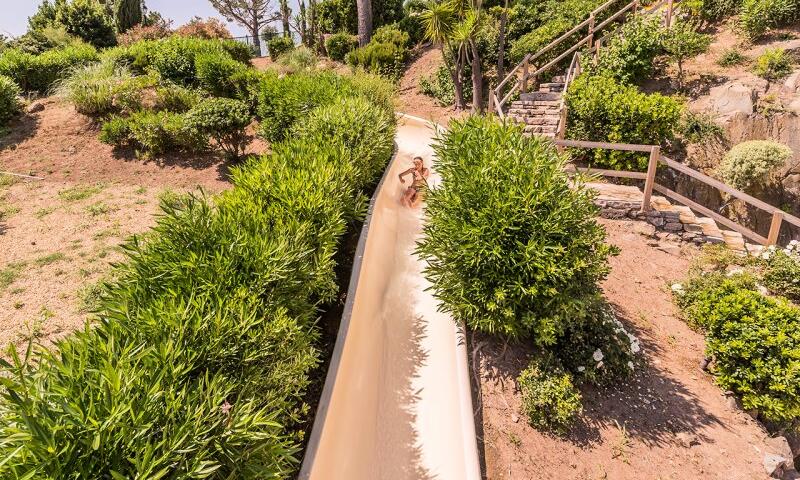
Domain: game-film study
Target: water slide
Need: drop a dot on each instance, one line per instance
(396, 403)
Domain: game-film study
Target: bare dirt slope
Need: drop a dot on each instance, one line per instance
(668, 422)
(411, 99)
(59, 235)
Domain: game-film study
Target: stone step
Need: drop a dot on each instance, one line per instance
(559, 79)
(551, 87)
(540, 96)
(540, 129)
(544, 104)
(528, 120)
(553, 112)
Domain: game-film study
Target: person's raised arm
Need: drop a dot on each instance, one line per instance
(403, 174)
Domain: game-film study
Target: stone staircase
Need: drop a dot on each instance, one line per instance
(539, 111)
(620, 201)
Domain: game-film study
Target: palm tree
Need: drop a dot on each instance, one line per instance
(453, 25)
(364, 21)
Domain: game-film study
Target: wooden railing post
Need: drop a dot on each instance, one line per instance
(525, 67)
(491, 102)
(635, 7)
(775, 228)
(655, 157)
(670, 8)
(591, 31)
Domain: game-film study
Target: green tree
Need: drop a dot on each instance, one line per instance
(127, 13)
(251, 14)
(682, 42)
(88, 20)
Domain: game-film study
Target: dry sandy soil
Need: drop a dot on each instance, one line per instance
(411, 100)
(668, 422)
(58, 235)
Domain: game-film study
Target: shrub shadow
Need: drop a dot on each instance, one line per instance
(181, 159)
(18, 130)
(652, 405)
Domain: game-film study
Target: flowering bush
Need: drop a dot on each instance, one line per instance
(753, 163)
(782, 271)
(208, 29)
(549, 399)
(144, 32)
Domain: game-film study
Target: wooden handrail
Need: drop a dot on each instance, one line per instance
(496, 93)
(656, 159)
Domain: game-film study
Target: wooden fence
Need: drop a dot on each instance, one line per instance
(658, 159)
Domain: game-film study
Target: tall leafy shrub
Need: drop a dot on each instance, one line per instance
(511, 247)
(88, 20)
(340, 44)
(601, 109)
(200, 362)
(629, 56)
(757, 17)
(39, 73)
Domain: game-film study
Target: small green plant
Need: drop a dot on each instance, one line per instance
(681, 42)
(773, 64)
(103, 88)
(79, 192)
(100, 208)
(224, 121)
(175, 98)
(10, 104)
(153, 133)
(440, 86)
(701, 128)
(731, 57)
(278, 46)
(386, 59)
(754, 163)
(550, 401)
(340, 44)
(300, 58)
(10, 273)
(50, 259)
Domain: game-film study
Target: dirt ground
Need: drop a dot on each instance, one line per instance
(411, 100)
(668, 422)
(59, 235)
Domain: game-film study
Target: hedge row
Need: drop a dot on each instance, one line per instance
(39, 73)
(202, 355)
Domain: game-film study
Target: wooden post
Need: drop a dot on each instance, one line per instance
(775, 228)
(562, 123)
(591, 31)
(525, 66)
(491, 102)
(670, 7)
(655, 157)
(635, 7)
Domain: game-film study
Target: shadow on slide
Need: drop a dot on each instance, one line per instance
(396, 402)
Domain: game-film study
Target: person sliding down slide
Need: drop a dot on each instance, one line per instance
(412, 194)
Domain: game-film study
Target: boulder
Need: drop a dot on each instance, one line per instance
(792, 83)
(733, 97)
(776, 466)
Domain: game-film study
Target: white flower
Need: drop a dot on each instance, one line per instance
(766, 255)
(677, 288)
(597, 355)
(630, 365)
(735, 271)
(794, 243)
(762, 290)
(581, 369)
(772, 248)
(635, 347)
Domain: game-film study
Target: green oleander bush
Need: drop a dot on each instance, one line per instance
(386, 59)
(207, 337)
(550, 400)
(601, 109)
(10, 104)
(279, 45)
(223, 120)
(511, 249)
(217, 73)
(753, 163)
(284, 100)
(39, 73)
(340, 44)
